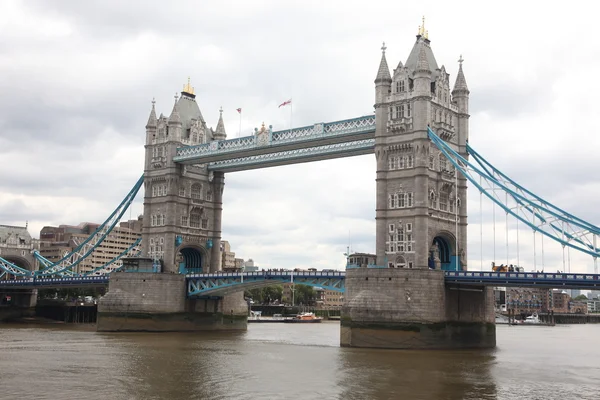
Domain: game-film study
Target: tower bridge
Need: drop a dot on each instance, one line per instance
(412, 297)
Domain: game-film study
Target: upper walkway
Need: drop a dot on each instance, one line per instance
(222, 283)
(265, 148)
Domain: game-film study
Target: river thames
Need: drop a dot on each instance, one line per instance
(291, 361)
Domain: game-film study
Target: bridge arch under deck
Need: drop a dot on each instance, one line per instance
(442, 253)
(228, 283)
(191, 259)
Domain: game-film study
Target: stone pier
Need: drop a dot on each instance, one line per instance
(157, 303)
(412, 309)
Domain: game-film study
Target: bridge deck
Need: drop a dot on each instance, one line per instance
(321, 135)
(333, 280)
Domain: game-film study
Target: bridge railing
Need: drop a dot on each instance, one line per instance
(317, 131)
(269, 273)
(523, 275)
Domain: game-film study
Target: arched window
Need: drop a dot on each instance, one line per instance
(196, 191)
(443, 201)
(432, 199)
(431, 161)
(400, 262)
(195, 218)
(442, 162)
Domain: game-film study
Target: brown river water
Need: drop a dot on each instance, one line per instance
(291, 361)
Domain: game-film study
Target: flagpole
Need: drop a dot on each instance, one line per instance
(240, 131)
(291, 112)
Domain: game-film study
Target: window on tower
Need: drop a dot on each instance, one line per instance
(195, 217)
(196, 191)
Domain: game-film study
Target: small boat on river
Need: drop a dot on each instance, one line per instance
(307, 317)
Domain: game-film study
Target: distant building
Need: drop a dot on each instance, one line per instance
(249, 266)
(56, 242)
(593, 306)
(228, 257)
(527, 300)
(329, 299)
(239, 264)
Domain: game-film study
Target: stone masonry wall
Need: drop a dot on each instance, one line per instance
(144, 293)
(472, 304)
(408, 295)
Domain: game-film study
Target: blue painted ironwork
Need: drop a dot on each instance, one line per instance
(223, 283)
(338, 150)
(71, 260)
(560, 227)
(116, 264)
(524, 279)
(9, 268)
(307, 136)
(77, 281)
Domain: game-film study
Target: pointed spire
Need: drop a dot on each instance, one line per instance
(220, 130)
(461, 83)
(383, 74)
(174, 118)
(152, 121)
(423, 63)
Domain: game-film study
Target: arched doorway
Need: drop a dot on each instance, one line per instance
(441, 254)
(400, 262)
(190, 260)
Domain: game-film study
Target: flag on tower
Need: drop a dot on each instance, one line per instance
(239, 110)
(285, 103)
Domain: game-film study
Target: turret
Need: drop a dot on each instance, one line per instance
(151, 125)
(220, 130)
(174, 124)
(460, 93)
(383, 81)
(460, 96)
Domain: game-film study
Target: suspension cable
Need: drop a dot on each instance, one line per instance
(456, 218)
(506, 202)
(569, 255)
(534, 255)
(480, 226)
(563, 246)
(494, 217)
(518, 260)
(543, 261)
(595, 258)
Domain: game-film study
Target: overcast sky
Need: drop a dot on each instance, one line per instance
(77, 79)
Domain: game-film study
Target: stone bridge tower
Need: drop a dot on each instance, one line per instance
(182, 204)
(421, 218)
(421, 202)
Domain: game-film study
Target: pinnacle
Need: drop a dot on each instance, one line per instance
(383, 74)
(461, 82)
(175, 118)
(152, 121)
(220, 133)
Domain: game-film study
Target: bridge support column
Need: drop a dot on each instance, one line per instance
(22, 303)
(157, 303)
(413, 309)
